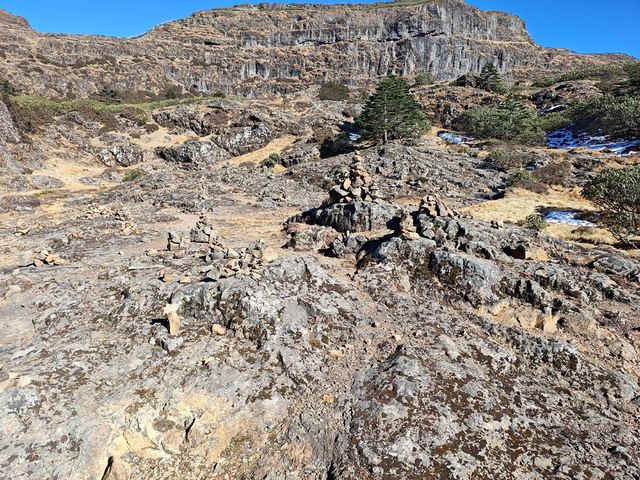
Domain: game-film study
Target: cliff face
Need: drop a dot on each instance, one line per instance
(270, 48)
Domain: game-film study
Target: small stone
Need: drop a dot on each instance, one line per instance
(397, 337)
(218, 329)
(38, 263)
(171, 312)
(336, 354)
(328, 399)
(168, 278)
(152, 252)
(25, 258)
(171, 344)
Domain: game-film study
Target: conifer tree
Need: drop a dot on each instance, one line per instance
(490, 78)
(391, 113)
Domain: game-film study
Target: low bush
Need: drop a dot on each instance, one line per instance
(536, 222)
(273, 160)
(595, 72)
(633, 72)
(505, 160)
(7, 89)
(555, 121)
(554, 173)
(131, 175)
(617, 117)
(617, 193)
(510, 121)
(519, 176)
(425, 78)
(333, 91)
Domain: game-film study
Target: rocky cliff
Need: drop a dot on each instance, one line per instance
(265, 48)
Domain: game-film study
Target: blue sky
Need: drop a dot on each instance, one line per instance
(587, 26)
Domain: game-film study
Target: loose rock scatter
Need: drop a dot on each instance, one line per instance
(218, 285)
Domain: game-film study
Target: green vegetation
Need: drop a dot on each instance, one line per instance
(617, 193)
(7, 89)
(109, 95)
(504, 159)
(30, 112)
(510, 121)
(536, 222)
(556, 173)
(132, 174)
(608, 115)
(425, 78)
(273, 160)
(518, 176)
(555, 121)
(333, 91)
(633, 72)
(606, 72)
(391, 113)
(490, 79)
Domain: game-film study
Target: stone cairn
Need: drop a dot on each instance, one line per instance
(433, 206)
(357, 185)
(225, 262)
(406, 229)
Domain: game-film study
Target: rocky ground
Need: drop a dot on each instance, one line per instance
(352, 317)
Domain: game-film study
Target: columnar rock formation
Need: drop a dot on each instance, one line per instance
(251, 49)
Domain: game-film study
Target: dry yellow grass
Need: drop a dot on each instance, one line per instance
(518, 204)
(257, 156)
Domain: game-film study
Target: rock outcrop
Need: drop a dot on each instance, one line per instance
(264, 48)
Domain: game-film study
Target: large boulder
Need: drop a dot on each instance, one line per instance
(124, 155)
(352, 217)
(194, 154)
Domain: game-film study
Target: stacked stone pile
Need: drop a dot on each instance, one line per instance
(357, 185)
(434, 206)
(225, 262)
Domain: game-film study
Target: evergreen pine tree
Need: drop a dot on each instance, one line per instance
(391, 113)
(490, 79)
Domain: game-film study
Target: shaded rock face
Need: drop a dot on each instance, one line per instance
(8, 131)
(265, 48)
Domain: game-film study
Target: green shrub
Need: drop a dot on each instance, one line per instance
(510, 121)
(132, 174)
(536, 222)
(425, 78)
(519, 176)
(392, 113)
(109, 95)
(273, 160)
(555, 121)
(617, 193)
(7, 89)
(554, 173)
(504, 159)
(594, 72)
(219, 95)
(333, 91)
(633, 72)
(608, 115)
(170, 93)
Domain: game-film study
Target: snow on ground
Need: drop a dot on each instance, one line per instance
(564, 138)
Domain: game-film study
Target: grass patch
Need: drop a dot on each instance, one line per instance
(44, 192)
(131, 175)
(31, 112)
